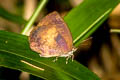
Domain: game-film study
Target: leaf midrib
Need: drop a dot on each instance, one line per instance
(91, 26)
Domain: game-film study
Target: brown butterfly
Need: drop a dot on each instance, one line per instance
(52, 37)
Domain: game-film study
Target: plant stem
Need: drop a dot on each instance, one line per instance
(115, 30)
(33, 17)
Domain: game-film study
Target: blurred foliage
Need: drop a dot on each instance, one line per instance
(12, 17)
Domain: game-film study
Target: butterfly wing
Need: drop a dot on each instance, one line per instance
(51, 37)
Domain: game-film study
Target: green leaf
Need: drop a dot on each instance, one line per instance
(11, 17)
(87, 17)
(15, 53)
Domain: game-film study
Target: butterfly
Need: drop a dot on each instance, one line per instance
(51, 37)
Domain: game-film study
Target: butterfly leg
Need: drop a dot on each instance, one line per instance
(56, 58)
(72, 56)
(67, 58)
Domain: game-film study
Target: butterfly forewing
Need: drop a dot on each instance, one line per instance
(51, 37)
